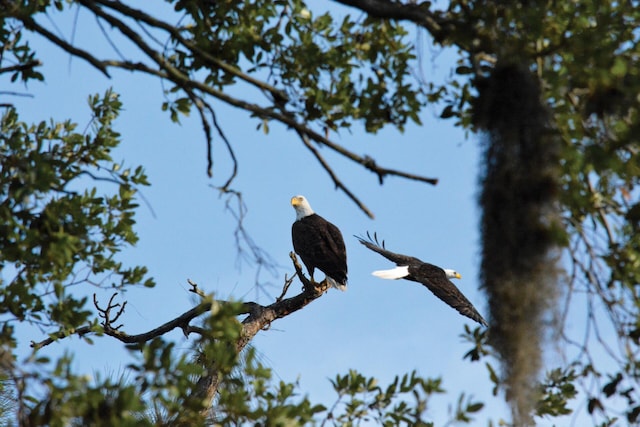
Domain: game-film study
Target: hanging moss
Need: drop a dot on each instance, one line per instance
(519, 224)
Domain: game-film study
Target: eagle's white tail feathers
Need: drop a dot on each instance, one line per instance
(336, 285)
(394, 273)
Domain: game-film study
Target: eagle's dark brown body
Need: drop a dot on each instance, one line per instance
(320, 245)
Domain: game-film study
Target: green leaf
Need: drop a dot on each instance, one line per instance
(447, 112)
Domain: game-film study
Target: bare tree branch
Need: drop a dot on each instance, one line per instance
(11, 93)
(206, 127)
(21, 67)
(258, 318)
(34, 26)
(179, 322)
(334, 178)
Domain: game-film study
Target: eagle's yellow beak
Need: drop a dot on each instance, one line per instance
(296, 200)
(458, 275)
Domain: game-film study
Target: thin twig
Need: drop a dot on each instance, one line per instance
(200, 105)
(285, 288)
(333, 176)
(232, 154)
(195, 289)
(34, 26)
(21, 67)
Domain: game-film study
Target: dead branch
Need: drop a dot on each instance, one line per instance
(334, 177)
(285, 288)
(195, 289)
(258, 317)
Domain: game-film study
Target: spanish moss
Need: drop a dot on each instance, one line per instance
(519, 226)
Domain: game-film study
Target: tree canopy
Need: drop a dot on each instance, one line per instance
(549, 89)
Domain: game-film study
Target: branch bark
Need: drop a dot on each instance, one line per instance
(31, 24)
(160, 66)
(258, 318)
(21, 67)
(418, 13)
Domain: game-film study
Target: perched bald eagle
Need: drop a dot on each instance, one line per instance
(434, 278)
(319, 244)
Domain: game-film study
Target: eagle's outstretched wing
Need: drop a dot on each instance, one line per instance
(431, 276)
(399, 259)
(436, 280)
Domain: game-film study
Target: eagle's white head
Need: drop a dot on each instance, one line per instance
(302, 207)
(452, 274)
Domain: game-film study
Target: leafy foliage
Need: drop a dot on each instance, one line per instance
(329, 71)
(250, 396)
(56, 230)
(586, 57)
(59, 231)
(556, 391)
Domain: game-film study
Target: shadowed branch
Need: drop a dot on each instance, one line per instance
(259, 316)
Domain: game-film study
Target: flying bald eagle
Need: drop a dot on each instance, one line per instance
(319, 244)
(431, 276)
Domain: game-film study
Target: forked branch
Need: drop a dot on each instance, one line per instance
(259, 316)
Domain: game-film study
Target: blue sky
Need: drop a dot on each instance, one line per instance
(382, 328)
